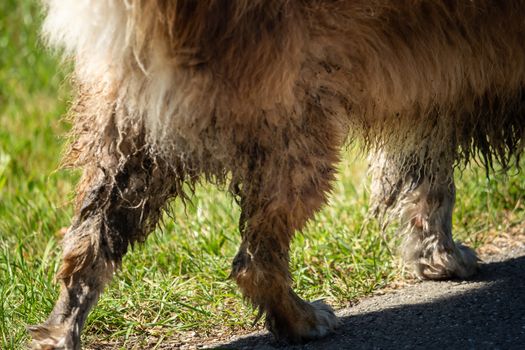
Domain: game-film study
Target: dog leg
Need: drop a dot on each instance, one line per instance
(429, 247)
(117, 206)
(260, 268)
(280, 196)
(424, 204)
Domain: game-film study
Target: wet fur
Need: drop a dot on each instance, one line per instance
(260, 96)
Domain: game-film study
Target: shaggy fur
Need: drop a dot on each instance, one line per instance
(260, 95)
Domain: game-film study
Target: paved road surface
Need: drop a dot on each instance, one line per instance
(487, 312)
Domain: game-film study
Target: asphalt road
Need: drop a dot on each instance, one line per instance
(487, 312)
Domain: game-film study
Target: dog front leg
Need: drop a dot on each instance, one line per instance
(424, 201)
(429, 246)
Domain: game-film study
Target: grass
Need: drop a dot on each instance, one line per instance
(177, 282)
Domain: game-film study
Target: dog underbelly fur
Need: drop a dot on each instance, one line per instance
(386, 91)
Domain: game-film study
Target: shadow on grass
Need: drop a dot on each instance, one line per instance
(490, 317)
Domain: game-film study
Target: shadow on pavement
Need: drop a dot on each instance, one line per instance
(488, 317)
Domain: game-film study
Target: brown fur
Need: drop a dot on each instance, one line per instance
(261, 95)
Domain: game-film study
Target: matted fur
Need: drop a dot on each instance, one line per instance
(261, 95)
(223, 67)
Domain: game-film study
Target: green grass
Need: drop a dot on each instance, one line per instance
(178, 280)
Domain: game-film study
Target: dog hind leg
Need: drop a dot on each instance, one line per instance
(261, 270)
(282, 191)
(117, 207)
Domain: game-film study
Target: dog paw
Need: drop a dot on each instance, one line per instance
(461, 263)
(468, 261)
(315, 320)
(46, 337)
(326, 320)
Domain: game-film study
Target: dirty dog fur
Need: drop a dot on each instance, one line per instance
(259, 96)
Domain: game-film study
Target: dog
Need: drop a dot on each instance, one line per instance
(260, 96)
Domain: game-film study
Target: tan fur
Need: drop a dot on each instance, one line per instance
(260, 95)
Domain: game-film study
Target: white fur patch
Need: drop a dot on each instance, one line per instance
(100, 36)
(94, 32)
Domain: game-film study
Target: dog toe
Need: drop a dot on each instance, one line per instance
(316, 320)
